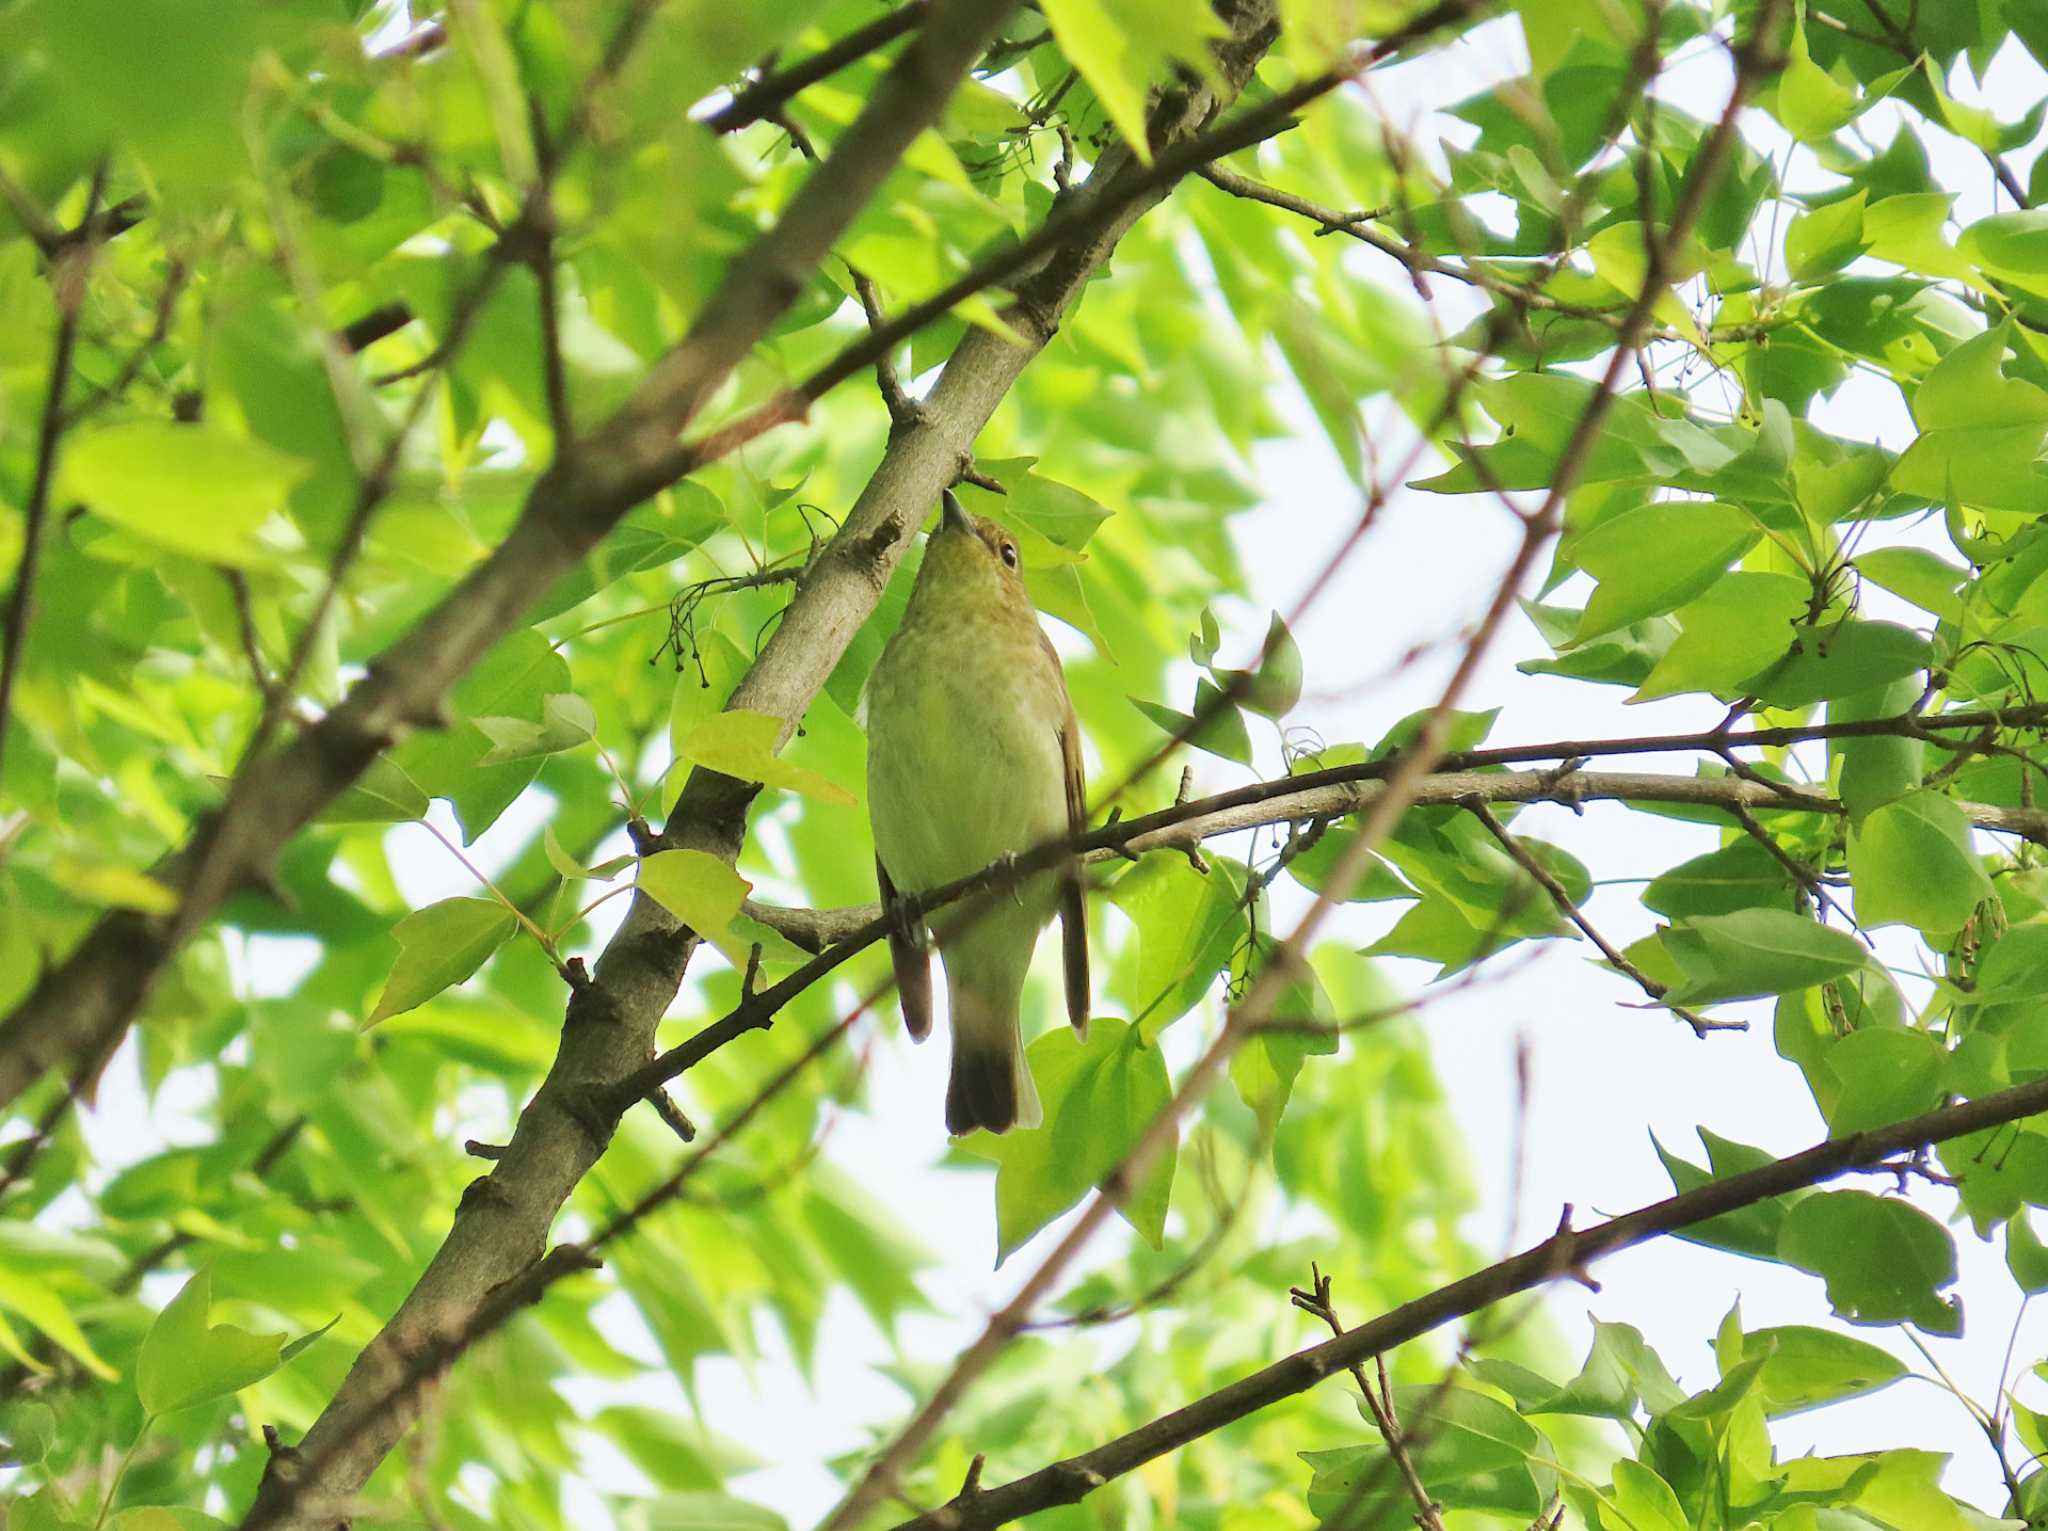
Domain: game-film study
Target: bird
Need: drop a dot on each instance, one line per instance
(974, 756)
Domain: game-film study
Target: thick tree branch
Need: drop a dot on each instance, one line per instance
(1564, 1253)
(1090, 220)
(1244, 1018)
(87, 1002)
(502, 1227)
(82, 1006)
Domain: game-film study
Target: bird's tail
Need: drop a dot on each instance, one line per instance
(990, 1085)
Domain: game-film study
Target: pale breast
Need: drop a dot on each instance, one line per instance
(964, 759)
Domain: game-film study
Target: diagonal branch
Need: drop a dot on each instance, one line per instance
(1246, 1017)
(501, 1229)
(68, 271)
(1565, 1252)
(1568, 907)
(760, 101)
(82, 1006)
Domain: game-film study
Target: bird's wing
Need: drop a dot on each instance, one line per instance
(1073, 903)
(911, 952)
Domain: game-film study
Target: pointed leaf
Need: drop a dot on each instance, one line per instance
(439, 946)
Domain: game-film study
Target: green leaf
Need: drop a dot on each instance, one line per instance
(40, 1512)
(1621, 1372)
(36, 1300)
(1622, 658)
(697, 45)
(160, 1517)
(2025, 1255)
(698, 889)
(2015, 966)
(1806, 1367)
(1187, 925)
(439, 946)
(572, 869)
(742, 744)
(1220, 731)
(1124, 47)
(383, 794)
(2013, 246)
(1753, 1230)
(1917, 575)
(1275, 686)
(1100, 1097)
(1823, 241)
(1887, 1488)
(1374, 881)
(707, 1512)
(1911, 863)
(510, 681)
(1063, 516)
(1755, 952)
(189, 489)
(1811, 103)
(1887, 1073)
(1264, 1068)
(29, 1430)
(1883, 768)
(185, 1361)
(1740, 875)
(1657, 557)
(1839, 659)
(1884, 1260)
(1643, 1502)
(1743, 624)
(1980, 431)
(566, 721)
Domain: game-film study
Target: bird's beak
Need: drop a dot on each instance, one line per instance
(953, 515)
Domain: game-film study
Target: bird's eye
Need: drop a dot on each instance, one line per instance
(1010, 554)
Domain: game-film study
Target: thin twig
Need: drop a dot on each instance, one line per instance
(771, 93)
(1566, 906)
(245, 622)
(67, 279)
(903, 410)
(160, 326)
(1316, 1303)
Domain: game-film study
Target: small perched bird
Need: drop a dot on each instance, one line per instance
(974, 755)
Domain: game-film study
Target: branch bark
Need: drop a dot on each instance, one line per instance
(501, 1229)
(1349, 790)
(80, 1008)
(1566, 1252)
(1248, 1013)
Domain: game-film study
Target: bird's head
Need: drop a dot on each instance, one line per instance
(972, 554)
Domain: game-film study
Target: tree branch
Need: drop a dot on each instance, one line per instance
(1546, 880)
(1468, 776)
(771, 93)
(501, 1228)
(69, 269)
(1565, 1252)
(83, 1005)
(1245, 1017)
(1316, 1303)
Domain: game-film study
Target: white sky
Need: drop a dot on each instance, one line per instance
(1601, 1073)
